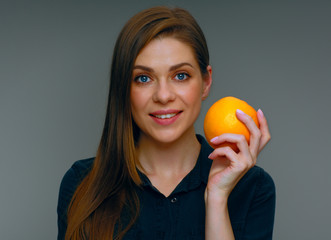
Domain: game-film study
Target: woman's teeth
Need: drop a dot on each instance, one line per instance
(166, 116)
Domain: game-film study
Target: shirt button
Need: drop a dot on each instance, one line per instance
(173, 200)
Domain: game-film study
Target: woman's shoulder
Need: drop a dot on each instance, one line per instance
(255, 181)
(77, 171)
(69, 183)
(259, 175)
(254, 190)
(72, 179)
(81, 167)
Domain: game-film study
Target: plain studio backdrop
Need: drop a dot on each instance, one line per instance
(54, 69)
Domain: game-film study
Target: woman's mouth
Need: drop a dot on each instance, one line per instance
(165, 117)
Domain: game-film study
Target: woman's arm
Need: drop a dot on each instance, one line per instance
(218, 225)
(227, 169)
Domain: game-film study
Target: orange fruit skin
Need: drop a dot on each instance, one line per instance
(221, 118)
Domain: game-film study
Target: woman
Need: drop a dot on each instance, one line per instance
(153, 177)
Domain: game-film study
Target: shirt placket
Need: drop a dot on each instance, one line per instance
(174, 209)
(167, 209)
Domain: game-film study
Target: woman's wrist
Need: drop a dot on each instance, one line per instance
(216, 205)
(218, 225)
(216, 197)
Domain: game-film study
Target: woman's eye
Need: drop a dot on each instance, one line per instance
(181, 76)
(142, 79)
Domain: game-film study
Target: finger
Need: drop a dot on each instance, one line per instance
(242, 144)
(226, 152)
(264, 128)
(237, 164)
(255, 133)
(238, 139)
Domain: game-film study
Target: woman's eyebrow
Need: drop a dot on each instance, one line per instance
(174, 67)
(147, 69)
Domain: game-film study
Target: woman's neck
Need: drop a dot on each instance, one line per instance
(165, 159)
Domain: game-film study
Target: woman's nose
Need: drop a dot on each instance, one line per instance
(164, 92)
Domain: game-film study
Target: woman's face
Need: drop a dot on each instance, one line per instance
(167, 90)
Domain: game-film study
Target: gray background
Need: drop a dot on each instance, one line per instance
(54, 66)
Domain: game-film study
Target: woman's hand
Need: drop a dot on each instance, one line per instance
(227, 169)
(229, 166)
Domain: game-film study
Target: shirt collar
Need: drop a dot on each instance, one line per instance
(199, 174)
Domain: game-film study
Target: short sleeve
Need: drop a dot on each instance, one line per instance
(69, 183)
(67, 189)
(260, 216)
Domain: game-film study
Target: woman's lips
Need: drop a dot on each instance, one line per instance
(165, 117)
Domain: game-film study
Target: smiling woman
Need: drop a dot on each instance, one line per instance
(167, 102)
(153, 177)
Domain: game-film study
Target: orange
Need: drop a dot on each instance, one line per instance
(221, 118)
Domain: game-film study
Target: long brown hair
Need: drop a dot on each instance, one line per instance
(108, 192)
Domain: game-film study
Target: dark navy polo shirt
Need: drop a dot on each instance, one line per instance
(181, 215)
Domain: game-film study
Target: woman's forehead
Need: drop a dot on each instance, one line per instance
(167, 50)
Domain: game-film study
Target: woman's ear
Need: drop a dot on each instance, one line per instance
(207, 81)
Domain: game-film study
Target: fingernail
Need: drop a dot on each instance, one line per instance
(213, 139)
(239, 111)
(210, 155)
(260, 112)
